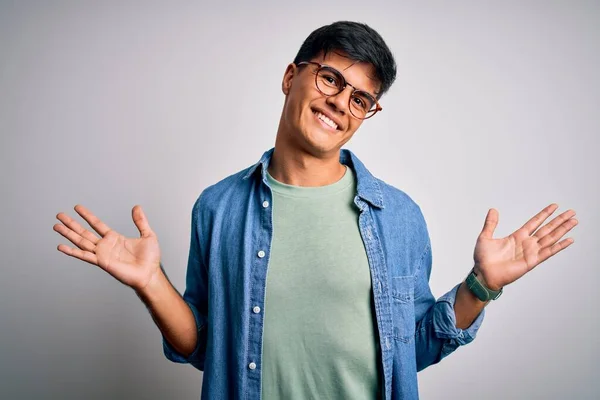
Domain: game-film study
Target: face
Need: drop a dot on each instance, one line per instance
(316, 123)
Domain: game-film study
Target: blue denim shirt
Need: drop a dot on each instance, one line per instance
(230, 245)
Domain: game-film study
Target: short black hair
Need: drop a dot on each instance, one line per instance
(360, 43)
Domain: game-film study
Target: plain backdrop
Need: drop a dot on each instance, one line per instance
(115, 103)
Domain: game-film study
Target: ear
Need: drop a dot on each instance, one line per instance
(288, 76)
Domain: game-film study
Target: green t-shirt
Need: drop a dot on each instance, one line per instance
(320, 335)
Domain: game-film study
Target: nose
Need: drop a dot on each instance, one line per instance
(341, 100)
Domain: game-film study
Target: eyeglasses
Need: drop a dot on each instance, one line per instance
(330, 82)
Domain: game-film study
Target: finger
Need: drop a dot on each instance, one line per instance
(77, 228)
(140, 221)
(74, 237)
(549, 251)
(552, 225)
(80, 254)
(91, 219)
(535, 222)
(556, 234)
(489, 226)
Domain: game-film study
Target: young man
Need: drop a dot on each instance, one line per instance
(308, 277)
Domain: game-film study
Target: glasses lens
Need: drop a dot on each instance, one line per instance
(362, 104)
(329, 81)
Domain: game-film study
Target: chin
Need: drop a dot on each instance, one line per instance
(315, 139)
(320, 143)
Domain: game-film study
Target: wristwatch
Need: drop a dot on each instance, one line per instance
(479, 289)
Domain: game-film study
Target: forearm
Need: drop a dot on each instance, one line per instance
(466, 307)
(171, 314)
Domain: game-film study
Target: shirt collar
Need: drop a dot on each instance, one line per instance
(367, 185)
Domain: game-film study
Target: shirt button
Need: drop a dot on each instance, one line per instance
(252, 365)
(265, 204)
(261, 254)
(256, 309)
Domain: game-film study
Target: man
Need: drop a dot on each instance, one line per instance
(308, 277)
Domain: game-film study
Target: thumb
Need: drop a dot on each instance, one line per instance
(491, 221)
(140, 221)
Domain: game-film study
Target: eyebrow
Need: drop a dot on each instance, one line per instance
(376, 95)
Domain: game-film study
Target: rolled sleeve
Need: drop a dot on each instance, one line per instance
(444, 323)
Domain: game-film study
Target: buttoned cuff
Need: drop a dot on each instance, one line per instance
(444, 323)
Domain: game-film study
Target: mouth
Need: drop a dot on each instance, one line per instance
(325, 121)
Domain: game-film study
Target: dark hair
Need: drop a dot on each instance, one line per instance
(359, 42)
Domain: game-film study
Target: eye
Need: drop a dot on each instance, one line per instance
(362, 101)
(329, 78)
(358, 102)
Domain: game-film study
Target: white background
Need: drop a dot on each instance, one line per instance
(111, 104)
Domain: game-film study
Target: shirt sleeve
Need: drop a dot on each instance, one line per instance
(436, 334)
(195, 296)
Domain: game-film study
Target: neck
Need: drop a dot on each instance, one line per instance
(293, 165)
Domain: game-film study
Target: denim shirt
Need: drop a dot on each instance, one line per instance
(231, 235)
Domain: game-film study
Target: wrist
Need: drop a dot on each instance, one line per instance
(478, 286)
(154, 285)
(484, 282)
(468, 293)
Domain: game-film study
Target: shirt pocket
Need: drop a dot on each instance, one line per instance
(403, 308)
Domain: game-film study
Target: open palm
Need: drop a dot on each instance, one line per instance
(133, 261)
(503, 261)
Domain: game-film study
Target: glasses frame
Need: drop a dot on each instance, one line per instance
(343, 87)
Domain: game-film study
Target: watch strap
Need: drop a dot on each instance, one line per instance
(482, 292)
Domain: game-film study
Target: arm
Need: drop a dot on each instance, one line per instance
(171, 313)
(454, 319)
(467, 306)
(135, 262)
(183, 320)
(437, 333)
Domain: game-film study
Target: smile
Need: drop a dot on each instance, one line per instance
(326, 121)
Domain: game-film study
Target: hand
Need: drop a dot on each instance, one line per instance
(133, 261)
(499, 262)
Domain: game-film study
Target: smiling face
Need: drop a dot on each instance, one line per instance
(313, 122)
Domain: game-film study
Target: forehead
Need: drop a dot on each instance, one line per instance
(359, 74)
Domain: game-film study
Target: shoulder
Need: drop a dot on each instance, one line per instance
(230, 184)
(224, 192)
(393, 201)
(398, 200)
(401, 210)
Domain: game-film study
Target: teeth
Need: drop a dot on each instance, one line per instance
(326, 120)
